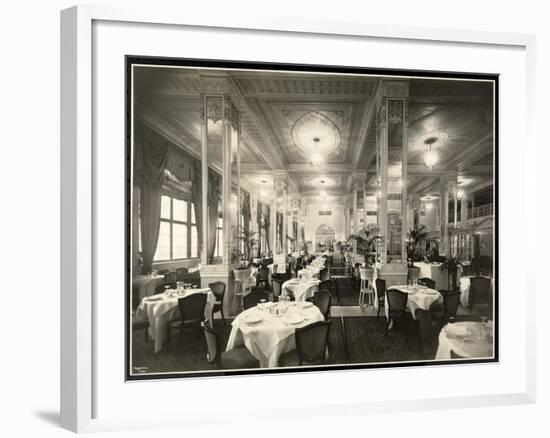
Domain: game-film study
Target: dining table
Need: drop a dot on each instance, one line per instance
(268, 329)
(419, 297)
(162, 308)
(465, 290)
(437, 273)
(467, 339)
(302, 289)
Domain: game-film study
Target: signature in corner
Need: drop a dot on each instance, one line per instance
(140, 369)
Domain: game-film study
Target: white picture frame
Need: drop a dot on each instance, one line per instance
(81, 368)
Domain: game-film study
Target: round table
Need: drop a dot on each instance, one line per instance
(272, 335)
(162, 308)
(301, 289)
(466, 339)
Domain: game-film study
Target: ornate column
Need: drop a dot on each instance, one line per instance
(447, 187)
(392, 144)
(280, 182)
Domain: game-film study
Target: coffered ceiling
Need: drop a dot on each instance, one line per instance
(273, 106)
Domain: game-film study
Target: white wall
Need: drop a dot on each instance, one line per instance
(313, 220)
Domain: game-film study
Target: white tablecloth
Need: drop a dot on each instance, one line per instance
(160, 309)
(309, 272)
(301, 289)
(146, 285)
(272, 336)
(419, 298)
(281, 268)
(434, 271)
(465, 290)
(466, 339)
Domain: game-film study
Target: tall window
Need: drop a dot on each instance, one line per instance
(178, 235)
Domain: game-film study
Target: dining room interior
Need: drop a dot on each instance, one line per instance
(287, 219)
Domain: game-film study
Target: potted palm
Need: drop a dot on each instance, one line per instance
(366, 239)
(249, 240)
(414, 237)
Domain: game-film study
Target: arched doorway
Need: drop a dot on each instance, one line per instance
(324, 238)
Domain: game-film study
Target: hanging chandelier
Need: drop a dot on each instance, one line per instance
(316, 158)
(430, 156)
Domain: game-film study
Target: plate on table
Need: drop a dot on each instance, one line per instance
(251, 318)
(307, 304)
(294, 319)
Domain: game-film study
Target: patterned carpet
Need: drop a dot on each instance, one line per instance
(364, 342)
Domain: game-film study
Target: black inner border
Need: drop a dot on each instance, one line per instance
(130, 60)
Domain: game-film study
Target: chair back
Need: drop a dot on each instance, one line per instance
(311, 342)
(397, 301)
(263, 273)
(479, 289)
(324, 274)
(252, 299)
(180, 274)
(325, 285)
(277, 287)
(380, 288)
(218, 289)
(322, 300)
(170, 277)
(428, 282)
(192, 307)
(450, 302)
(212, 343)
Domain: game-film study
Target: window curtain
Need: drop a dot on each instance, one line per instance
(260, 226)
(279, 232)
(247, 216)
(158, 162)
(267, 217)
(214, 193)
(151, 156)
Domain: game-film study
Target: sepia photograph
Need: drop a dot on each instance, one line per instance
(288, 218)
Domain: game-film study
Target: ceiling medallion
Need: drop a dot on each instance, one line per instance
(316, 135)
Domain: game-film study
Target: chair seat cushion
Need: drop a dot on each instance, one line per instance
(239, 357)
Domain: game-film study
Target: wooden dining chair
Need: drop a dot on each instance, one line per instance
(180, 274)
(322, 300)
(311, 345)
(479, 291)
(191, 310)
(380, 294)
(218, 289)
(397, 305)
(170, 278)
(428, 282)
(235, 358)
(276, 284)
